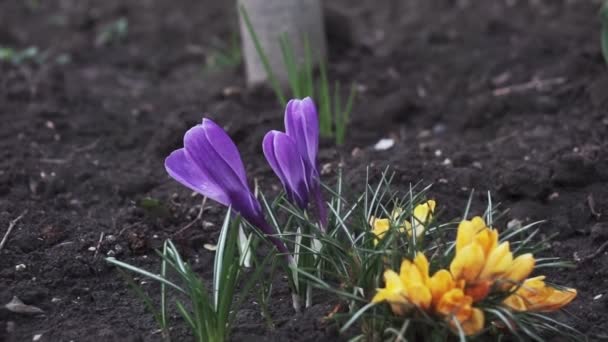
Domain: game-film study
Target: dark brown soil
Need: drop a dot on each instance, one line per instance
(82, 142)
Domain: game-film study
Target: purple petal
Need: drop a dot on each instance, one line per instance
(302, 124)
(285, 160)
(202, 146)
(292, 166)
(187, 173)
(269, 153)
(225, 147)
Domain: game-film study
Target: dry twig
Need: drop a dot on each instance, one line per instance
(10, 228)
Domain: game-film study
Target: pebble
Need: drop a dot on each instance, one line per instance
(92, 249)
(599, 296)
(20, 267)
(37, 337)
(384, 144)
(438, 153)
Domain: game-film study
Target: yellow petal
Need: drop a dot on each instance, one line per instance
(423, 213)
(419, 295)
(535, 295)
(410, 273)
(487, 238)
(466, 232)
(478, 223)
(515, 302)
(468, 263)
(393, 292)
(455, 303)
(379, 228)
(520, 268)
(440, 283)
(422, 264)
(557, 300)
(474, 324)
(498, 261)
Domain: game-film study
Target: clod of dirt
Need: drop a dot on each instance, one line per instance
(573, 169)
(17, 306)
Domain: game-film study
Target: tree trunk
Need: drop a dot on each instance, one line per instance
(298, 19)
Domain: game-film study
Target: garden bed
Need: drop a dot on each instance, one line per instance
(503, 96)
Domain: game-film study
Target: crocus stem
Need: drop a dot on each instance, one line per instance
(321, 210)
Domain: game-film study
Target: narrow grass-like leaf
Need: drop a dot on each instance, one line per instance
(145, 273)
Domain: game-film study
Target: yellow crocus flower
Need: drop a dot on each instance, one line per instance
(439, 294)
(535, 295)
(422, 215)
(456, 305)
(481, 261)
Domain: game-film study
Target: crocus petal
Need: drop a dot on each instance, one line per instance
(283, 157)
(190, 175)
(498, 261)
(440, 283)
(475, 323)
(199, 145)
(302, 124)
(393, 292)
(520, 269)
(468, 263)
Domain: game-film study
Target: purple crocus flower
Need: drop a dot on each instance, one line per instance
(293, 155)
(210, 164)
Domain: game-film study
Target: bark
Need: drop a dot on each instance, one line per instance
(298, 19)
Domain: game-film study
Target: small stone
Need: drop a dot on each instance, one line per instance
(17, 306)
(384, 144)
(55, 300)
(111, 253)
(477, 165)
(111, 238)
(443, 181)
(356, 152)
(447, 161)
(92, 249)
(20, 267)
(210, 247)
(599, 296)
(438, 153)
(207, 224)
(37, 337)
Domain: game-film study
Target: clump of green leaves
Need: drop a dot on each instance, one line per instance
(209, 314)
(334, 112)
(225, 57)
(351, 261)
(15, 56)
(604, 15)
(113, 32)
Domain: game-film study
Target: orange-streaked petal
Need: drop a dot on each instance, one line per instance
(440, 283)
(456, 303)
(474, 324)
(468, 263)
(478, 290)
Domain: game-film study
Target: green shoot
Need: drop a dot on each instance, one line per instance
(113, 32)
(208, 314)
(225, 57)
